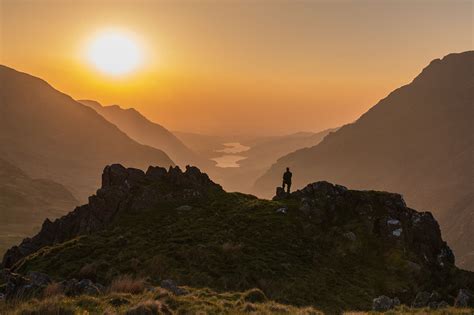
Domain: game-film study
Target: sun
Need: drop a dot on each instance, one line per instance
(114, 53)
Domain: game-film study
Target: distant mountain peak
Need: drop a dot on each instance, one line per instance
(145, 131)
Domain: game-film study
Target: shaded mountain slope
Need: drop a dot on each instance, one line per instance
(26, 202)
(324, 246)
(144, 131)
(417, 141)
(49, 135)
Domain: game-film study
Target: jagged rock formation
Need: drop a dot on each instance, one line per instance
(398, 225)
(417, 141)
(122, 190)
(179, 225)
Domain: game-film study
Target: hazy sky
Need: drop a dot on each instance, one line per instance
(264, 67)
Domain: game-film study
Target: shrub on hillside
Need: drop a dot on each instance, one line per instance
(254, 296)
(53, 289)
(127, 284)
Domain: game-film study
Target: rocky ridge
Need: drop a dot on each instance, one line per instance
(123, 189)
(169, 224)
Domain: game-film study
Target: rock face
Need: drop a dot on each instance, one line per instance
(398, 225)
(123, 189)
(465, 298)
(384, 303)
(33, 284)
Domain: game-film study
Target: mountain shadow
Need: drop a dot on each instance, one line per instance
(26, 202)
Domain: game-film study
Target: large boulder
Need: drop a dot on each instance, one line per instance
(384, 303)
(465, 298)
(421, 300)
(171, 286)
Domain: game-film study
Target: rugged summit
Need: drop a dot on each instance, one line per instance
(395, 223)
(299, 249)
(123, 189)
(417, 141)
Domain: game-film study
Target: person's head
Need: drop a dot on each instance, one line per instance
(287, 169)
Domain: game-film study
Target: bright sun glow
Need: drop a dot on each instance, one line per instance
(114, 53)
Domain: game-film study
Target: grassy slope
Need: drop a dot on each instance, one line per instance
(198, 301)
(232, 241)
(203, 301)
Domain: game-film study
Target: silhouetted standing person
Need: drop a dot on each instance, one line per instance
(287, 179)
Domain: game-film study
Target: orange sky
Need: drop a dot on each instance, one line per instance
(252, 67)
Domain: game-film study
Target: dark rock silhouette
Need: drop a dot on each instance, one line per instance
(123, 189)
(398, 225)
(323, 233)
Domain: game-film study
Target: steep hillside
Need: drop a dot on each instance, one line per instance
(26, 202)
(325, 246)
(417, 141)
(144, 131)
(49, 135)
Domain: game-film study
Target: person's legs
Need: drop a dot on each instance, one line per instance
(288, 185)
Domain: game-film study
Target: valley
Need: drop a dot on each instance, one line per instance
(143, 148)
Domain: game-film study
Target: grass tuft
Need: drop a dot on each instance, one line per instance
(127, 284)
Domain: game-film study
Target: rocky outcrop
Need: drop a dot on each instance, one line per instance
(385, 215)
(465, 298)
(384, 303)
(33, 284)
(123, 189)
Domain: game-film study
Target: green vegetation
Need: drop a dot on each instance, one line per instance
(202, 301)
(234, 242)
(197, 301)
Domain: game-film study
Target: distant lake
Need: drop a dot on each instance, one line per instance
(233, 147)
(230, 159)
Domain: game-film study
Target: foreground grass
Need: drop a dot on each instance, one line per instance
(197, 301)
(155, 301)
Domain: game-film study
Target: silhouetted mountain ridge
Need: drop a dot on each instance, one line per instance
(144, 131)
(49, 135)
(417, 141)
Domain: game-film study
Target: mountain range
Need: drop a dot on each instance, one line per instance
(146, 132)
(417, 141)
(49, 135)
